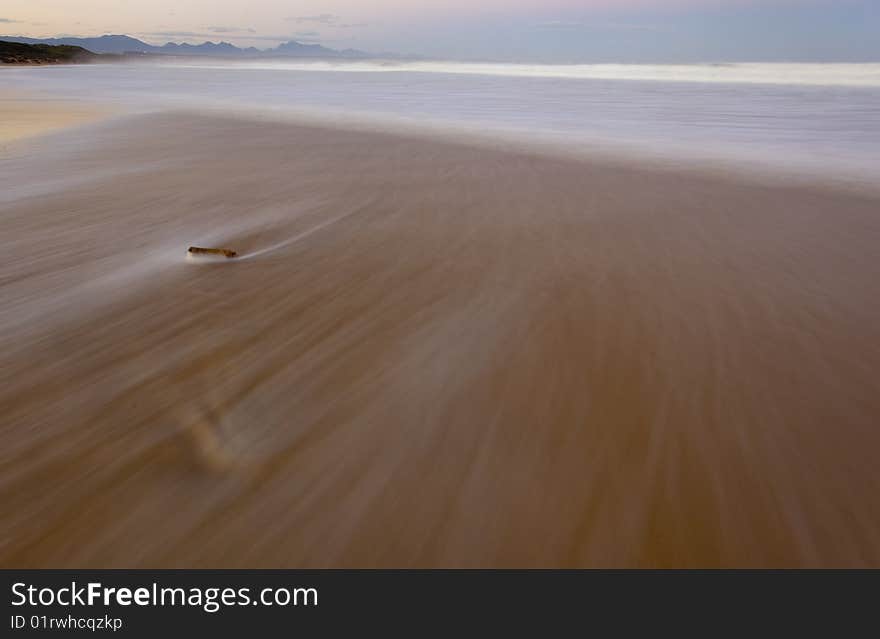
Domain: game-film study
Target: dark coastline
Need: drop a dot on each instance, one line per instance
(16, 53)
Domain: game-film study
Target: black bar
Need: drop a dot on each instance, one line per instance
(415, 602)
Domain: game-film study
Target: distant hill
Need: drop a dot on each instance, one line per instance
(104, 44)
(119, 44)
(21, 53)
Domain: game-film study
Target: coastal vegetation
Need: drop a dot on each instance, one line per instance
(18, 53)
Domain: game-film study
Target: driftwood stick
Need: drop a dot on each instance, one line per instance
(196, 250)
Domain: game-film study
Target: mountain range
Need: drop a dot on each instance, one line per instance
(123, 44)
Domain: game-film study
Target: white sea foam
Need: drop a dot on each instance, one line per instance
(807, 74)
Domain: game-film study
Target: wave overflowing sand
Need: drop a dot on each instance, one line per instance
(428, 354)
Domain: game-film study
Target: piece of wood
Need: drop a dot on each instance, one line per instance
(196, 250)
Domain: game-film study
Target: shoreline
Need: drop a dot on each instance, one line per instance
(778, 156)
(37, 116)
(738, 167)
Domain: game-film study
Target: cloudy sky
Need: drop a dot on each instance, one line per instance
(519, 30)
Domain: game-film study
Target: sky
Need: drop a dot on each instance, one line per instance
(502, 30)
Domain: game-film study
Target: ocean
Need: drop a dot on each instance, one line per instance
(813, 119)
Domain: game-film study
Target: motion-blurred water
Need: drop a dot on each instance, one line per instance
(440, 354)
(792, 117)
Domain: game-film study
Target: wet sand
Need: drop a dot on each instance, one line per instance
(24, 116)
(429, 354)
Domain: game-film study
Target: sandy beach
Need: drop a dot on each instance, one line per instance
(427, 354)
